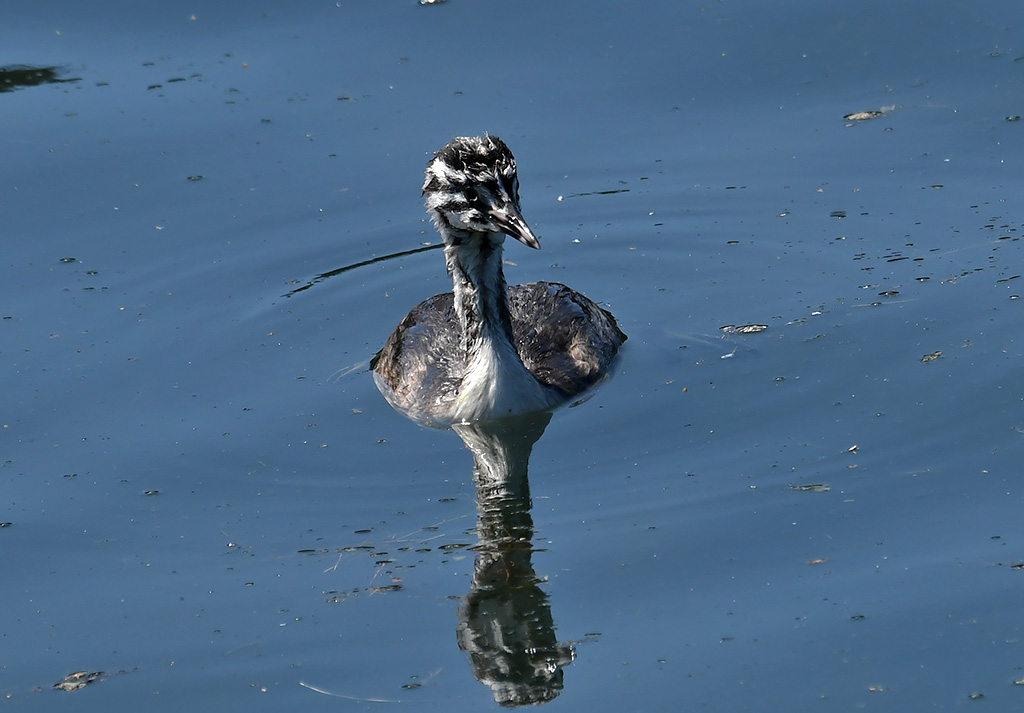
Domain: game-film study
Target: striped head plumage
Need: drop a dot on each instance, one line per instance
(471, 186)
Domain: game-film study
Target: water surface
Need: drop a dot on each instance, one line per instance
(205, 498)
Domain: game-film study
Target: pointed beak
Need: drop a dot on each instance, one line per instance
(511, 222)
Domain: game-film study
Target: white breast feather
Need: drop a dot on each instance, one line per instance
(498, 385)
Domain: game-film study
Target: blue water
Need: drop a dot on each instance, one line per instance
(205, 498)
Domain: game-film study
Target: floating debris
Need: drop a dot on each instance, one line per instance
(811, 487)
(16, 76)
(743, 328)
(931, 357)
(865, 115)
(77, 680)
(336, 597)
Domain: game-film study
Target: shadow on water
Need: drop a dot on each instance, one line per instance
(16, 76)
(505, 622)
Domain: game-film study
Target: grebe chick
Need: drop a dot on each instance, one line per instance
(486, 350)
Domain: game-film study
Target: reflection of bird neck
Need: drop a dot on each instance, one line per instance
(501, 453)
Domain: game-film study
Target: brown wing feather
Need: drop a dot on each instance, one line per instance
(563, 337)
(424, 354)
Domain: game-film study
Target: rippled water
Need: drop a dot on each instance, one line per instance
(211, 223)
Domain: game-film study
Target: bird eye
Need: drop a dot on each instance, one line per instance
(472, 197)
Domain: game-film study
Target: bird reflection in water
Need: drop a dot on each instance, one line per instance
(505, 622)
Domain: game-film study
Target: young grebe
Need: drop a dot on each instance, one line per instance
(486, 350)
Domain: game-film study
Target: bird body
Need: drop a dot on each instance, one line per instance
(487, 350)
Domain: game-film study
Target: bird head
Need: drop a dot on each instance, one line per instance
(471, 185)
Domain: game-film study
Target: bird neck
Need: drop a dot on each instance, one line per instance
(495, 382)
(478, 282)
